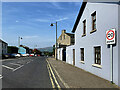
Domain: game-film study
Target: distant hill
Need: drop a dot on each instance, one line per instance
(49, 49)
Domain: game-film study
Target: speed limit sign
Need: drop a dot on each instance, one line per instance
(110, 36)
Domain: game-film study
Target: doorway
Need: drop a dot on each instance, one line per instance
(73, 56)
(64, 54)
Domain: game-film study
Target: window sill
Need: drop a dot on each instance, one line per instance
(97, 65)
(93, 31)
(83, 35)
(82, 62)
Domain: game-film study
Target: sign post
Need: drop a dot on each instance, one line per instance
(110, 39)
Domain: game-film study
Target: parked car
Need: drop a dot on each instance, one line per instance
(4, 56)
(38, 55)
(35, 55)
(31, 55)
(16, 54)
(8, 55)
(25, 55)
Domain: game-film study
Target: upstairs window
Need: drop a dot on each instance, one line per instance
(84, 27)
(93, 22)
(64, 36)
(61, 38)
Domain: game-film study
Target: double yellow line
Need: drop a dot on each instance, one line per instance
(51, 74)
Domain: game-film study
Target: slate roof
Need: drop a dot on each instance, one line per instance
(70, 34)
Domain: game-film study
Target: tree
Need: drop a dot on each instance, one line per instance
(12, 49)
(36, 51)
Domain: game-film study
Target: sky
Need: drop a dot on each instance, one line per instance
(31, 21)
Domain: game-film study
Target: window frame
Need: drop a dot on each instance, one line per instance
(97, 52)
(82, 53)
(84, 28)
(64, 36)
(60, 37)
(93, 15)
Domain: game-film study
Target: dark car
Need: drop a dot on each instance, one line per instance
(8, 55)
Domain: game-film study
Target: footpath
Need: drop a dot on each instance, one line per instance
(73, 77)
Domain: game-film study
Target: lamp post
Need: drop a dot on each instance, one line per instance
(52, 24)
(19, 41)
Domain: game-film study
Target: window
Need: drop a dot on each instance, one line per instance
(84, 28)
(61, 37)
(64, 36)
(72, 41)
(93, 22)
(82, 54)
(97, 51)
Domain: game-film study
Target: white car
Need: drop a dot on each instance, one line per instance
(17, 55)
(24, 55)
(31, 55)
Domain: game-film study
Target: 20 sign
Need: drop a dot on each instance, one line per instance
(110, 36)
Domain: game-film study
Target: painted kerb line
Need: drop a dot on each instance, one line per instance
(50, 77)
(65, 84)
(1, 76)
(53, 76)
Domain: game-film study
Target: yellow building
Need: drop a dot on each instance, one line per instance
(64, 40)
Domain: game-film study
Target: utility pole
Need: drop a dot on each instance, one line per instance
(56, 40)
(56, 37)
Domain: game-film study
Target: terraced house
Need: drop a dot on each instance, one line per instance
(64, 40)
(90, 51)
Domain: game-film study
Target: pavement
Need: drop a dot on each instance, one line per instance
(73, 77)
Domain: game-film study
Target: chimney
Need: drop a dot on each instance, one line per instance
(63, 31)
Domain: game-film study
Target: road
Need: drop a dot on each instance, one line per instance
(28, 72)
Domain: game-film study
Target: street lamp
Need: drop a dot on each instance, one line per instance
(19, 41)
(52, 24)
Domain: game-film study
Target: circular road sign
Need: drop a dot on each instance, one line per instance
(110, 35)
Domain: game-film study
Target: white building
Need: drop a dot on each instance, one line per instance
(90, 51)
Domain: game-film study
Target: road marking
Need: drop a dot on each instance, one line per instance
(50, 77)
(18, 68)
(28, 62)
(65, 84)
(9, 59)
(54, 76)
(15, 64)
(1, 76)
(7, 67)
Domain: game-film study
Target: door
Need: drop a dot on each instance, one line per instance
(64, 54)
(73, 56)
(59, 55)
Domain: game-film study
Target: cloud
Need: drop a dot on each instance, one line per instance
(29, 37)
(56, 5)
(42, 20)
(61, 19)
(16, 21)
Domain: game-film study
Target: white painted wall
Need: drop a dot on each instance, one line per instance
(59, 53)
(107, 18)
(119, 45)
(69, 54)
